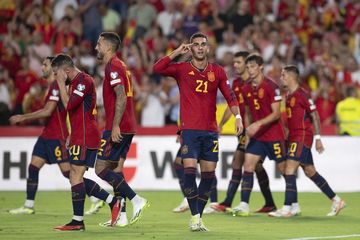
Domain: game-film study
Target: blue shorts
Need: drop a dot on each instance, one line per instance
(273, 150)
(82, 156)
(178, 154)
(298, 152)
(241, 144)
(199, 144)
(114, 151)
(53, 151)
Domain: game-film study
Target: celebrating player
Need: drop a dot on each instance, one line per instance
(267, 137)
(84, 138)
(120, 125)
(302, 114)
(198, 82)
(238, 159)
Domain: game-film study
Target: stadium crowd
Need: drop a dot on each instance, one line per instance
(321, 37)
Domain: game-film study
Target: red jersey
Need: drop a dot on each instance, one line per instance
(82, 112)
(259, 99)
(55, 127)
(116, 73)
(198, 91)
(238, 88)
(299, 106)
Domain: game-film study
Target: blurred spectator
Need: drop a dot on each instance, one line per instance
(142, 15)
(76, 25)
(173, 101)
(6, 88)
(348, 114)
(92, 24)
(168, 18)
(228, 45)
(64, 39)
(24, 79)
(242, 17)
(60, 6)
(34, 100)
(152, 103)
(86, 60)
(37, 51)
(110, 18)
(190, 20)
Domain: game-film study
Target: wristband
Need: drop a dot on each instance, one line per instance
(237, 116)
(317, 137)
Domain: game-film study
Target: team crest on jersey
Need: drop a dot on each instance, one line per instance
(55, 92)
(211, 76)
(292, 102)
(191, 73)
(114, 75)
(261, 93)
(184, 149)
(80, 87)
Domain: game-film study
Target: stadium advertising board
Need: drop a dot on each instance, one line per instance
(149, 165)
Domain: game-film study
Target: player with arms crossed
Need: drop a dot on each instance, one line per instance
(120, 125)
(80, 102)
(198, 82)
(239, 155)
(267, 137)
(50, 146)
(302, 115)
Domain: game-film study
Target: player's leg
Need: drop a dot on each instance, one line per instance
(263, 180)
(337, 203)
(213, 198)
(179, 169)
(31, 186)
(78, 193)
(290, 192)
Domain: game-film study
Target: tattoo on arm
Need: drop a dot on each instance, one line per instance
(316, 121)
(120, 104)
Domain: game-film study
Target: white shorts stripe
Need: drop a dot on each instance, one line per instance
(277, 98)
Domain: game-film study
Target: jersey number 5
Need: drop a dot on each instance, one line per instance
(256, 104)
(202, 86)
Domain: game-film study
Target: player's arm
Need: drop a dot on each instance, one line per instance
(275, 114)
(225, 117)
(120, 105)
(163, 65)
(232, 102)
(316, 122)
(41, 113)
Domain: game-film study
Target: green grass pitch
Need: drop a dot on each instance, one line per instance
(158, 222)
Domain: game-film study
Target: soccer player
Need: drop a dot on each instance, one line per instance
(238, 159)
(120, 124)
(302, 115)
(50, 146)
(80, 102)
(266, 133)
(198, 82)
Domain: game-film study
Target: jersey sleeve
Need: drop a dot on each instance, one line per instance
(226, 90)
(77, 94)
(164, 67)
(273, 90)
(307, 103)
(116, 74)
(53, 93)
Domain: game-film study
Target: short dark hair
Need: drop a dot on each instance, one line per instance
(113, 39)
(242, 54)
(351, 91)
(293, 69)
(61, 60)
(198, 35)
(50, 58)
(255, 58)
